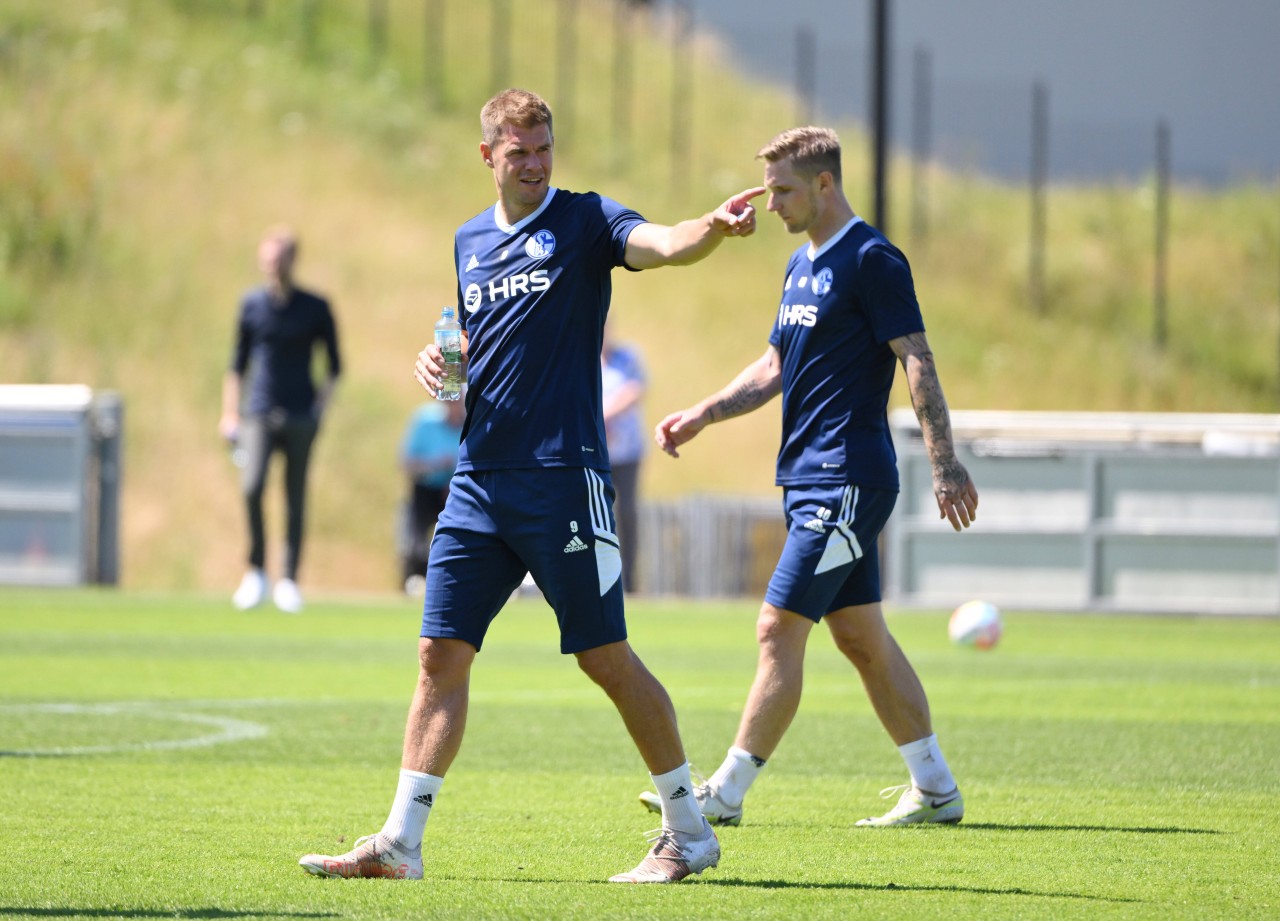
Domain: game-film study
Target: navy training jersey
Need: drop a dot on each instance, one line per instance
(534, 297)
(841, 305)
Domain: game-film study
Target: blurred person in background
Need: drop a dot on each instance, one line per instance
(848, 316)
(623, 384)
(280, 325)
(428, 454)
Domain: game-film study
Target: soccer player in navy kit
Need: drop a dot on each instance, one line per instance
(848, 315)
(532, 492)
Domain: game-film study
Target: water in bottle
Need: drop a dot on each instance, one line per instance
(449, 339)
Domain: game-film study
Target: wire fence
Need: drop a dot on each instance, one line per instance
(1005, 129)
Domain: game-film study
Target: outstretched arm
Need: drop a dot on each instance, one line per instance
(755, 385)
(652, 245)
(957, 496)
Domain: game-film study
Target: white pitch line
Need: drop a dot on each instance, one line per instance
(228, 729)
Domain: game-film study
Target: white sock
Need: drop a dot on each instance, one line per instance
(415, 795)
(734, 777)
(928, 768)
(679, 805)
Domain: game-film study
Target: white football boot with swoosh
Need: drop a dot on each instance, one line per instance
(916, 806)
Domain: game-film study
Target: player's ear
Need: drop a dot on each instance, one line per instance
(486, 153)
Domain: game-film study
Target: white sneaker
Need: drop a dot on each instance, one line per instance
(713, 808)
(371, 857)
(674, 856)
(287, 597)
(252, 591)
(916, 806)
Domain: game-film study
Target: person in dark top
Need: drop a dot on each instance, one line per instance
(848, 315)
(531, 492)
(278, 330)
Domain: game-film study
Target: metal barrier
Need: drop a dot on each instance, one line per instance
(59, 485)
(1140, 512)
(709, 546)
(1096, 511)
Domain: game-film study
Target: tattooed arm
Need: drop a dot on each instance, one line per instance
(957, 496)
(755, 385)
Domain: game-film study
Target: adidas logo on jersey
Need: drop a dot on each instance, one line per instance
(575, 545)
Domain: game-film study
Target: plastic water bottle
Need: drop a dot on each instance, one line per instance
(239, 453)
(449, 339)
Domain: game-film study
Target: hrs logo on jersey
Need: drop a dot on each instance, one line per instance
(539, 246)
(499, 289)
(805, 314)
(798, 315)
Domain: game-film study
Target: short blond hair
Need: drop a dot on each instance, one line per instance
(812, 150)
(513, 107)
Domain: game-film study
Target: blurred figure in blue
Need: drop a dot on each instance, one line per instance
(623, 386)
(428, 454)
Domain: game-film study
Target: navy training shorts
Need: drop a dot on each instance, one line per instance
(497, 525)
(830, 560)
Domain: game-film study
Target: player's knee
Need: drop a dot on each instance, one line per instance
(777, 629)
(861, 642)
(854, 646)
(444, 659)
(602, 670)
(609, 666)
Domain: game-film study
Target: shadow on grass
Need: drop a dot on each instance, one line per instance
(739, 883)
(13, 911)
(895, 887)
(1127, 829)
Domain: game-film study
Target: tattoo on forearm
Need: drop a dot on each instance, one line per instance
(746, 398)
(930, 406)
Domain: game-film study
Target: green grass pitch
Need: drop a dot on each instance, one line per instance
(168, 757)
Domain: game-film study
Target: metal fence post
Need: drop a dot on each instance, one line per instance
(107, 422)
(1162, 232)
(1039, 193)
